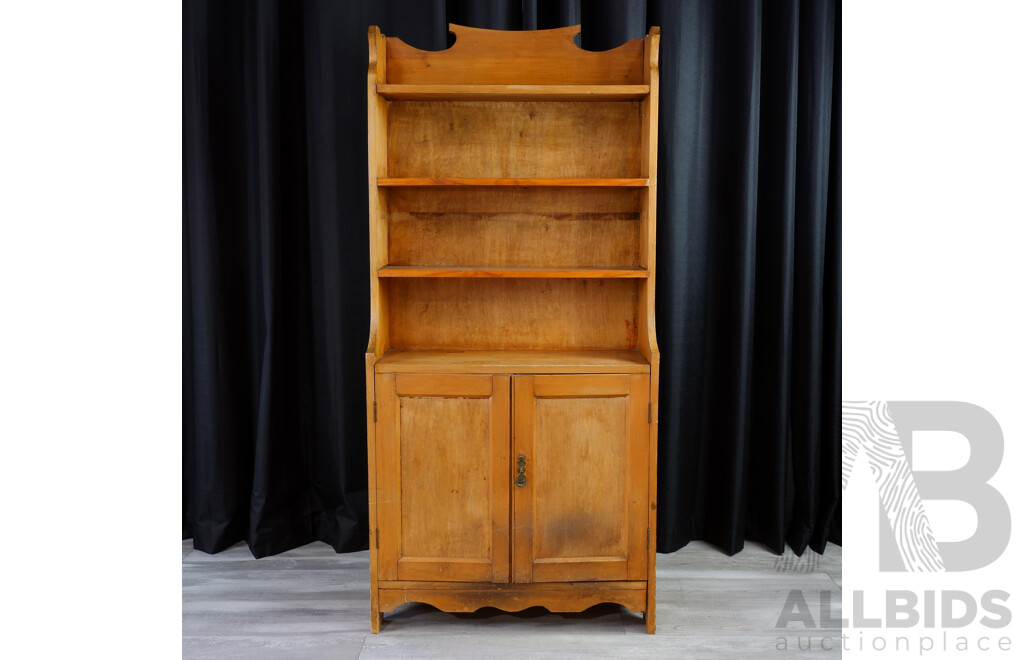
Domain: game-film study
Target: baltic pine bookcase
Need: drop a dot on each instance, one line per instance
(512, 365)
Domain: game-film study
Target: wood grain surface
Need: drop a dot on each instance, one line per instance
(523, 139)
(497, 57)
(512, 362)
(509, 314)
(513, 189)
(443, 443)
(513, 92)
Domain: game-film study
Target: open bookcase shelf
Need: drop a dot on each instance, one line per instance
(512, 365)
(459, 271)
(513, 92)
(422, 182)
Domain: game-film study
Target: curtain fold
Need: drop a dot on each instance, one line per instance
(275, 239)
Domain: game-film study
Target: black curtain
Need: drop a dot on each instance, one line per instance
(275, 262)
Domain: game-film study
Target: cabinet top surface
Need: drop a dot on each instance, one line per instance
(495, 362)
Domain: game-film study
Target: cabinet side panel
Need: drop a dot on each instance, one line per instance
(652, 488)
(376, 344)
(649, 339)
(371, 455)
(388, 476)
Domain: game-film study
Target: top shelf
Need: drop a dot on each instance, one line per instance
(513, 92)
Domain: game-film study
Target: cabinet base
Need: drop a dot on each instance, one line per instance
(469, 597)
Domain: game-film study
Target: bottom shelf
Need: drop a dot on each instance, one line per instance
(508, 362)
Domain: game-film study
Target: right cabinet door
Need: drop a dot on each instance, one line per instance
(580, 477)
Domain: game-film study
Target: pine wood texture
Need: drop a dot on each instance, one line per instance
(513, 314)
(525, 140)
(377, 145)
(521, 272)
(565, 597)
(494, 57)
(513, 362)
(443, 454)
(514, 227)
(518, 182)
(647, 333)
(581, 516)
(513, 189)
(376, 121)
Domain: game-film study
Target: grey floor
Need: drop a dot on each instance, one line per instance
(314, 603)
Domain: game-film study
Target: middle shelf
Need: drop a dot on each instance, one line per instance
(394, 92)
(421, 182)
(633, 272)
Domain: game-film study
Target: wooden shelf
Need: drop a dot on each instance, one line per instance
(508, 362)
(513, 92)
(465, 271)
(512, 269)
(394, 182)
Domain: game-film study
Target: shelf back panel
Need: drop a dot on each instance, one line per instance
(514, 139)
(513, 314)
(514, 227)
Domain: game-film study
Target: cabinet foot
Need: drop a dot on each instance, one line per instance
(649, 620)
(376, 620)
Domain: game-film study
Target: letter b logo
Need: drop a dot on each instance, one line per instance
(883, 431)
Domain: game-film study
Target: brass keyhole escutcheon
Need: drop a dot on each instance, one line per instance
(521, 471)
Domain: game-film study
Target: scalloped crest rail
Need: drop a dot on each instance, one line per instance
(512, 364)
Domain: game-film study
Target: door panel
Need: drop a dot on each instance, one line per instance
(581, 514)
(442, 501)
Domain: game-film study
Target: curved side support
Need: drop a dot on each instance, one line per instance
(649, 169)
(376, 130)
(373, 35)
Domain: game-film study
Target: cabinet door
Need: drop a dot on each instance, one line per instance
(442, 477)
(580, 502)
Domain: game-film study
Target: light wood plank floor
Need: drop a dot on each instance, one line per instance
(313, 603)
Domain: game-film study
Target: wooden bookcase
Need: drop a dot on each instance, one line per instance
(512, 365)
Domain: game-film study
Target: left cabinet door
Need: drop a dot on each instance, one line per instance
(442, 477)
